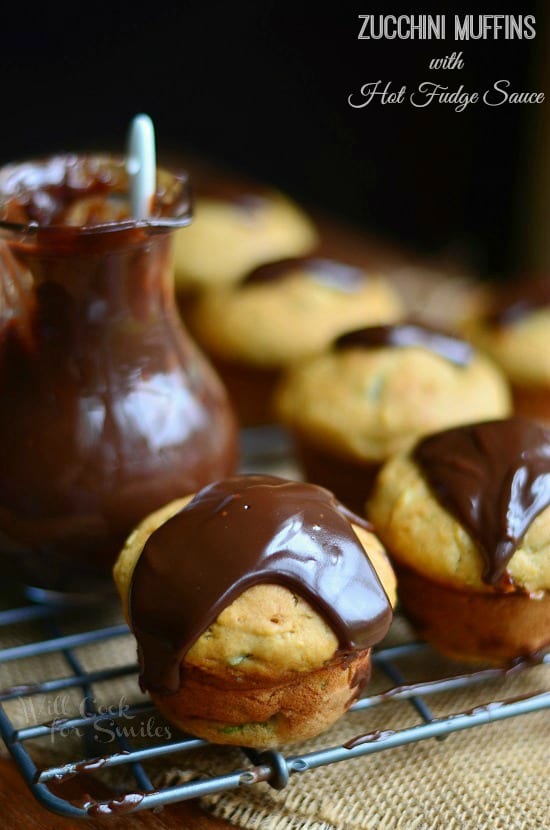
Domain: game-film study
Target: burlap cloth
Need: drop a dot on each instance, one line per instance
(494, 776)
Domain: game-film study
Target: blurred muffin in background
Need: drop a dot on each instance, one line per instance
(442, 296)
(235, 227)
(374, 393)
(515, 330)
(281, 313)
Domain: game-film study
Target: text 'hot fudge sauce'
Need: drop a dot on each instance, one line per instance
(237, 533)
(402, 335)
(494, 477)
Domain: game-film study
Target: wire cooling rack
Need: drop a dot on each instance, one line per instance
(62, 632)
(272, 767)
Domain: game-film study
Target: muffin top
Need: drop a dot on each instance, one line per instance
(515, 331)
(288, 310)
(379, 389)
(234, 230)
(470, 506)
(254, 575)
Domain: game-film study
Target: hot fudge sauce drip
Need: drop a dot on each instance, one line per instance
(494, 477)
(237, 533)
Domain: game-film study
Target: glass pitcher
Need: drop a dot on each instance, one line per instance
(107, 408)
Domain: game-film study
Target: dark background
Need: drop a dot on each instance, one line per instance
(262, 87)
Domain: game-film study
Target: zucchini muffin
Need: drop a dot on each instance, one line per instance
(281, 313)
(515, 331)
(374, 393)
(240, 640)
(465, 517)
(236, 227)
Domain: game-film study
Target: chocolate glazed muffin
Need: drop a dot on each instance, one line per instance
(466, 519)
(375, 392)
(255, 606)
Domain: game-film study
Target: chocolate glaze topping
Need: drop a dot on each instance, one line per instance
(494, 477)
(325, 271)
(523, 299)
(403, 335)
(237, 533)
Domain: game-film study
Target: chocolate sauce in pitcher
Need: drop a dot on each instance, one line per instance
(108, 409)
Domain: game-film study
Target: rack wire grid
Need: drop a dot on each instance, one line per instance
(273, 767)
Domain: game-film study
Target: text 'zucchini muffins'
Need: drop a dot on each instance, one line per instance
(515, 331)
(281, 313)
(255, 605)
(466, 519)
(375, 392)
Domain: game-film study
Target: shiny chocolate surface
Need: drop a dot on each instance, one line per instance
(407, 335)
(240, 532)
(325, 271)
(494, 477)
(80, 192)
